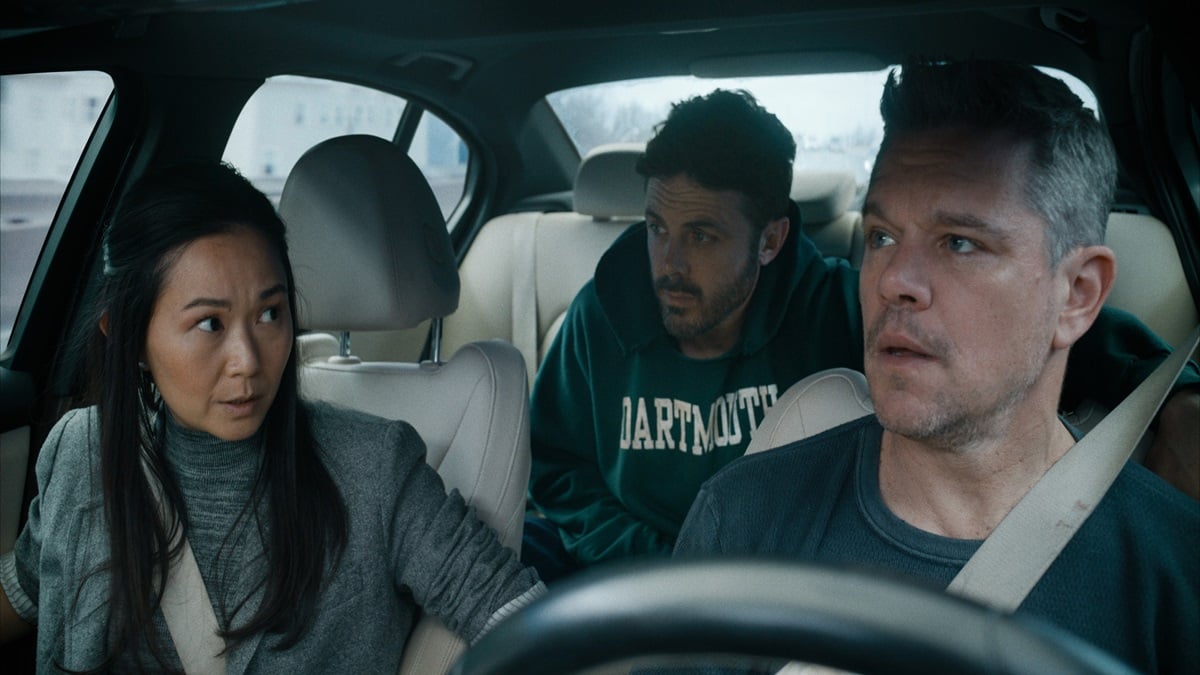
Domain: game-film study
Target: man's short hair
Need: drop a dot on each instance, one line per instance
(725, 140)
(1074, 165)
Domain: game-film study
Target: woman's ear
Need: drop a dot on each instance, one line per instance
(104, 323)
(1089, 273)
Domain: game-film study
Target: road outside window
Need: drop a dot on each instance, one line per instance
(45, 121)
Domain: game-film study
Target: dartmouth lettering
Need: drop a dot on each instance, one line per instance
(652, 423)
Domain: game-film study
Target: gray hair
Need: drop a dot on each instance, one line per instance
(1074, 165)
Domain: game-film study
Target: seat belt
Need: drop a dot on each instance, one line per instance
(185, 604)
(1013, 558)
(524, 296)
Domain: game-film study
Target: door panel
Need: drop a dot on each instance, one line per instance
(16, 394)
(14, 456)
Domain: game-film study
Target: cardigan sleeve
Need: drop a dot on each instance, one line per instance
(20, 569)
(454, 564)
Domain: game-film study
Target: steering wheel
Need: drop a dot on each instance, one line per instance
(775, 609)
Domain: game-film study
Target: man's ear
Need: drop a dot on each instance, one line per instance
(770, 242)
(1089, 273)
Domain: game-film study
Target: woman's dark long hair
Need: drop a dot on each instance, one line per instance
(308, 526)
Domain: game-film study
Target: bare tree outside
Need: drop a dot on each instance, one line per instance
(590, 120)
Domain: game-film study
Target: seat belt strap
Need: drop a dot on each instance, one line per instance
(524, 297)
(190, 618)
(185, 605)
(1013, 558)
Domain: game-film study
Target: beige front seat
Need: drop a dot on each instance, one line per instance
(370, 252)
(817, 403)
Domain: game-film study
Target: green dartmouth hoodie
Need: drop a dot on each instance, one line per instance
(625, 428)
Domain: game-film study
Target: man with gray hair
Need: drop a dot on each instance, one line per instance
(985, 262)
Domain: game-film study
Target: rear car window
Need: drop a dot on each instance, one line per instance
(834, 117)
(289, 114)
(45, 122)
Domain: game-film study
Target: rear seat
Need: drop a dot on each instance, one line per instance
(524, 269)
(1150, 280)
(824, 198)
(537, 262)
(1150, 285)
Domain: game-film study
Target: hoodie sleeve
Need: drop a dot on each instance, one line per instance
(1113, 358)
(566, 482)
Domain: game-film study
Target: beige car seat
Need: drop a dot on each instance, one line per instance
(523, 269)
(370, 251)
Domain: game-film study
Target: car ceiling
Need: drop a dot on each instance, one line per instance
(484, 64)
(519, 50)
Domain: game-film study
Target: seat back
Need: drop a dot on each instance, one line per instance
(1151, 285)
(523, 269)
(1150, 281)
(370, 251)
(824, 199)
(815, 404)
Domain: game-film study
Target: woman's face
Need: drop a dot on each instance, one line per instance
(220, 334)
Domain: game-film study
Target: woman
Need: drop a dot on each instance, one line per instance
(317, 531)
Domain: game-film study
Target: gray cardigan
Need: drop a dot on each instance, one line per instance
(411, 545)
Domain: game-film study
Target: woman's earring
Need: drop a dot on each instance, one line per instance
(143, 366)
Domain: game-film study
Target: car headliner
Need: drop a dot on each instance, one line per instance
(485, 65)
(502, 56)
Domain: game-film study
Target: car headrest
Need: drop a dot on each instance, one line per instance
(822, 195)
(368, 243)
(607, 184)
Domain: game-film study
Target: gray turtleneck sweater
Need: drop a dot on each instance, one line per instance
(410, 545)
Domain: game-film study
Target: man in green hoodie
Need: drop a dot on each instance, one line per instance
(693, 324)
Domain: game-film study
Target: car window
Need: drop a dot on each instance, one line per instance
(442, 156)
(290, 114)
(45, 121)
(833, 117)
